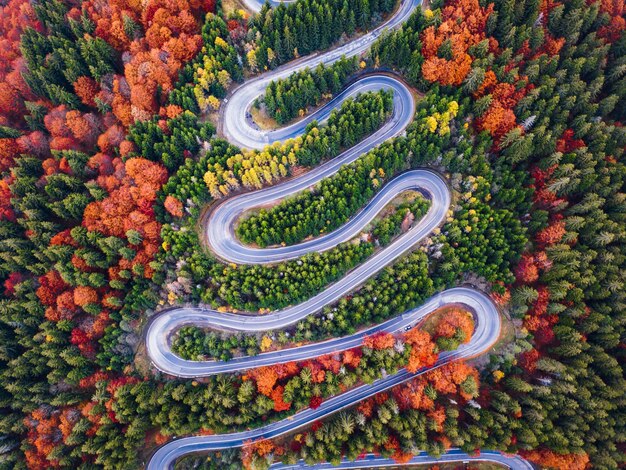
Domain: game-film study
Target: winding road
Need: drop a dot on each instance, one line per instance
(487, 327)
(233, 117)
(226, 245)
(220, 231)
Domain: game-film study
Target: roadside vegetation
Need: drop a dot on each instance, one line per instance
(290, 31)
(317, 269)
(290, 97)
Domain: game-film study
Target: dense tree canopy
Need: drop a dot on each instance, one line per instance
(290, 97)
(290, 31)
(108, 159)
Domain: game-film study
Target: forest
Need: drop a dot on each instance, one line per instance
(285, 99)
(290, 31)
(111, 152)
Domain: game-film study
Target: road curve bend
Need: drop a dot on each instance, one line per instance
(486, 333)
(235, 125)
(485, 313)
(223, 241)
(163, 325)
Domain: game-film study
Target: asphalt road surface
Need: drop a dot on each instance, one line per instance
(222, 240)
(453, 455)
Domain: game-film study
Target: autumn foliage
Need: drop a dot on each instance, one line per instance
(173, 206)
(552, 460)
(171, 39)
(380, 340)
(97, 127)
(499, 117)
(315, 402)
(6, 211)
(449, 377)
(553, 233)
(270, 380)
(265, 378)
(445, 47)
(132, 190)
(422, 350)
(259, 448)
(544, 197)
(454, 320)
(277, 398)
(446, 380)
(15, 17)
(568, 143)
(422, 393)
(47, 427)
(617, 24)
(9, 151)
